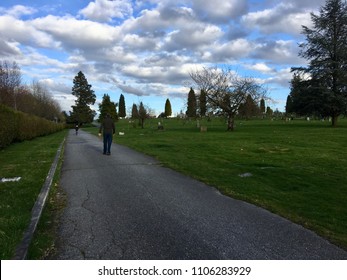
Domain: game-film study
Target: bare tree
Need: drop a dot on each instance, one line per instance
(226, 91)
(45, 106)
(10, 80)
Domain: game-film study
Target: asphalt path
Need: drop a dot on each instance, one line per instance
(128, 206)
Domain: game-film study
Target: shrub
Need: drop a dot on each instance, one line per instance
(19, 126)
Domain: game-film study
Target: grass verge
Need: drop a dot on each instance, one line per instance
(30, 160)
(43, 243)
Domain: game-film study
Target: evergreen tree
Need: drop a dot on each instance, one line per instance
(191, 110)
(143, 115)
(326, 50)
(168, 110)
(203, 103)
(306, 96)
(122, 110)
(269, 111)
(134, 112)
(262, 106)
(82, 112)
(249, 108)
(289, 105)
(107, 107)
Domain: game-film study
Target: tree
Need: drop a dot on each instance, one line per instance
(225, 91)
(269, 112)
(134, 112)
(122, 109)
(249, 108)
(168, 110)
(202, 103)
(326, 49)
(143, 115)
(289, 105)
(191, 109)
(82, 112)
(107, 107)
(10, 81)
(307, 98)
(42, 105)
(262, 106)
(34, 99)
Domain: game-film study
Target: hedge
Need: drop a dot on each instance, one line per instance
(16, 126)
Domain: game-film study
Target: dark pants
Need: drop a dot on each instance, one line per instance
(107, 142)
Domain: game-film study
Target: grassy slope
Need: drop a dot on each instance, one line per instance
(298, 168)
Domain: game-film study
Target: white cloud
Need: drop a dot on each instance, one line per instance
(261, 67)
(78, 34)
(283, 18)
(118, 55)
(106, 10)
(16, 30)
(281, 78)
(277, 52)
(192, 37)
(8, 49)
(148, 22)
(230, 51)
(136, 42)
(153, 45)
(19, 10)
(220, 10)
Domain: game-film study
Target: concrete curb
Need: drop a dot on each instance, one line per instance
(22, 248)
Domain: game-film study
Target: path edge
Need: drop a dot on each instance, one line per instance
(22, 248)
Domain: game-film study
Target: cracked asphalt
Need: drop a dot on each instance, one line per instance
(127, 206)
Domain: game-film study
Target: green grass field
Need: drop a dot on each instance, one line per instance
(30, 160)
(296, 169)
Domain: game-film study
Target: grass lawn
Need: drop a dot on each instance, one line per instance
(296, 169)
(30, 160)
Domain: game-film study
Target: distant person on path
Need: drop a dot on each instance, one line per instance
(76, 128)
(108, 129)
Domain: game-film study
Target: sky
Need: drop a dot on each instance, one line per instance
(145, 50)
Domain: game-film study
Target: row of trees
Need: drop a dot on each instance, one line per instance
(224, 93)
(85, 98)
(197, 106)
(321, 88)
(82, 112)
(34, 99)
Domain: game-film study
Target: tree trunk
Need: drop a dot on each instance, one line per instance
(334, 120)
(230, 123)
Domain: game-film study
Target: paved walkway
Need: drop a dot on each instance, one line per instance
(127, 206)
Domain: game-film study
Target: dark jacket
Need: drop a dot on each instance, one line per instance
(107, 126)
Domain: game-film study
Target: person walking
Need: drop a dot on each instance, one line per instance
(76, 128)
(108, 129)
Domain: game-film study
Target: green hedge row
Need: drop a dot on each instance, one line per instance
(16, 126)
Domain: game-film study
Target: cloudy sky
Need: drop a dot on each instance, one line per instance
(146, 49)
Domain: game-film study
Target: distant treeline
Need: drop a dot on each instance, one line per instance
(26, 112)
(34, 99)
(16, 126)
